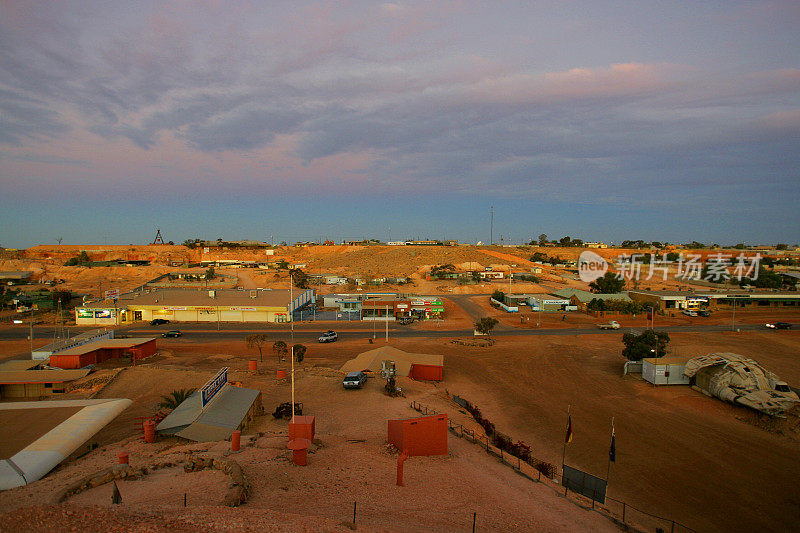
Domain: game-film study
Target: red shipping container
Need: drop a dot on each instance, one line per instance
(424, 435)
(303, 427)
(426, 372)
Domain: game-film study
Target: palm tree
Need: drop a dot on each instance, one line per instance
(175, 398)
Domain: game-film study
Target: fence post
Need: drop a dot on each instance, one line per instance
(540, 475)
(673, 527)
(519, 467)
(623, 512)
(354, 512)
(474, 518)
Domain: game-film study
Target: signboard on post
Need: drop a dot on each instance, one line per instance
(112, 294)
(213, 386)
(583, 483)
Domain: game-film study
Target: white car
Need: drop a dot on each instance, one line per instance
(328, 336)
(689, 313)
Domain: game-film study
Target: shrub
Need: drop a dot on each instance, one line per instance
(547, 469)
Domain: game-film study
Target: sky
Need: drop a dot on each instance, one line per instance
(288, 121)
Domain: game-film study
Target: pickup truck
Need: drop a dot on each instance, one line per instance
(611, 325)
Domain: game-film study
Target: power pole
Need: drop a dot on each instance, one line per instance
(491, 225)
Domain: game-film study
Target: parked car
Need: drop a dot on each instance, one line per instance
(405, 320)
(171, 333)
(704, 312)
(328, 336)
(354, 380)
(158, 321)
(778, 325)
(611, 325)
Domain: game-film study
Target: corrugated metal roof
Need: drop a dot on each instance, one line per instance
(216, 422)
(18, 365)
(586, 296)
(228, 407)
(106, 343)
(194, 297)
(183, 415)
(41, 376)
(675, 360)
(204, 432)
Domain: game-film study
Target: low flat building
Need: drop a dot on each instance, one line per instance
(35, 384)
(15, 276)
(665, 370)
(693, 300)
(665, 300)
(99, 351)
(549, 302)
(581, 298)
(44, 352)
(182, 305)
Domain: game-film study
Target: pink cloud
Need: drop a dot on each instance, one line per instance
(623, 79)
(782, 121)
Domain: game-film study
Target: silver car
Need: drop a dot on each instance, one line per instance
(354, 380)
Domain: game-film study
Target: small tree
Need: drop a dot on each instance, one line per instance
(499, 295)
(485, 325)
(299, 278)
(280, 349)
(609, 283)
(257, 340)
(650, 343)
(210, 273)
(175, 398)
(440, 270)
(61, 296)
(299, 352)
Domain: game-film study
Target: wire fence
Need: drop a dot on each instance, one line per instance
(617, 510)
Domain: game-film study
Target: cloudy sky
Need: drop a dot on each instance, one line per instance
(669, 121)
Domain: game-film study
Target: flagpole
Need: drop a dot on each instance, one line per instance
(291, 317)
(608, 470)
(564, 450)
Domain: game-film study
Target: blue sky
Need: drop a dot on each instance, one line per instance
(668, 121)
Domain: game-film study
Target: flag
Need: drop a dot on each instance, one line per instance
(612, 452)
(568, 438)
(116, 497)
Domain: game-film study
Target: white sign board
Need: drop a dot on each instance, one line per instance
(112, 294)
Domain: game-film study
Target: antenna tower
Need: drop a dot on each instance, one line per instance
(158, 239)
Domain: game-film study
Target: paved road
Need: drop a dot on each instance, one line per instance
(352, 330)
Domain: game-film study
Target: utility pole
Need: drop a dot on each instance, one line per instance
(491, 225)
(32, 310)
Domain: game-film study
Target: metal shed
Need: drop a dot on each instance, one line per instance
(665, 370)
